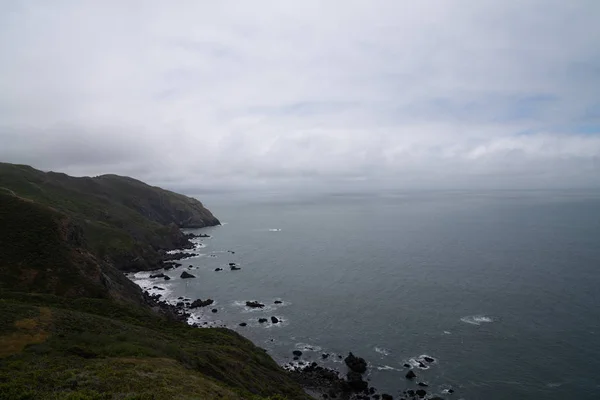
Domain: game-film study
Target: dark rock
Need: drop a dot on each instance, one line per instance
(214, 310)
(180, 304)
(243, 324)
(411, 374)
(274, 320)
(297, 353)
(186, 275)
(231, 264)
(372, 390)
(180, 298)
(167, 278)
(161, 275)
(407, 365)
(262, 320)
(421, 365)
(201, 303)
(355, 381)
(386, 396)
(450, 391)
(429, 359)
(234, 268)
(410, 392)
(278, 302)
(325, 356)
(356, 364)
(254, 304)
(422, 384)
(296, 358)
(218, 269)
(421, 393)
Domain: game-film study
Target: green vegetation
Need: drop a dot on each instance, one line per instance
(74, 327)
(124, 220)
(56, 348)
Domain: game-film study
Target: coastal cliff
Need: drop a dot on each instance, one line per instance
(72, 326)
(125, 222)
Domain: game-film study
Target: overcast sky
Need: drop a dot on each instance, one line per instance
(203, 95)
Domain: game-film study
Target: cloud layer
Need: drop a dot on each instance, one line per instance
(435, 93)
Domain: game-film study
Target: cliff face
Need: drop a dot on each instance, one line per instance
(126, 222)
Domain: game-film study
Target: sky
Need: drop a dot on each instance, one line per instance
(247, 95)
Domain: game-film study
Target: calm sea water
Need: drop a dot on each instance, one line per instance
(501, 288)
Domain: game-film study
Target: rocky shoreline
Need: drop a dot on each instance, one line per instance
(319, 381)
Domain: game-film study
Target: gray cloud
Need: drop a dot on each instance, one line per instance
(274, 93)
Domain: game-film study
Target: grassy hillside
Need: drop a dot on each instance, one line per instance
(55, 348)
(124, 220)
(73, 327)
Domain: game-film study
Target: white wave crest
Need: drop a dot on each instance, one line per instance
(388, 368)
(476, 319)
(308, 347)
(383, 351)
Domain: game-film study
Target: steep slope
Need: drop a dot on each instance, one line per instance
(42, 251)
(124, 220)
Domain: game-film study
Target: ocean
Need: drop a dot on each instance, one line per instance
(501, 288)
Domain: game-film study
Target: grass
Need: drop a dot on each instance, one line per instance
(56, 348)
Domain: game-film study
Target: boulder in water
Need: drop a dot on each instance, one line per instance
(186, 275)
(254, 304)
(274, 320)
(201, 303)
(411, 374)
(356, 364)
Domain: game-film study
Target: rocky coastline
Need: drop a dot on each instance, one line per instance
(348, 383)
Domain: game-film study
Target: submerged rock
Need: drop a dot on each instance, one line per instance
(411, 374)
(356, 364)
(186, 275)
(214, 310)
(297, 353)
(243, 324)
